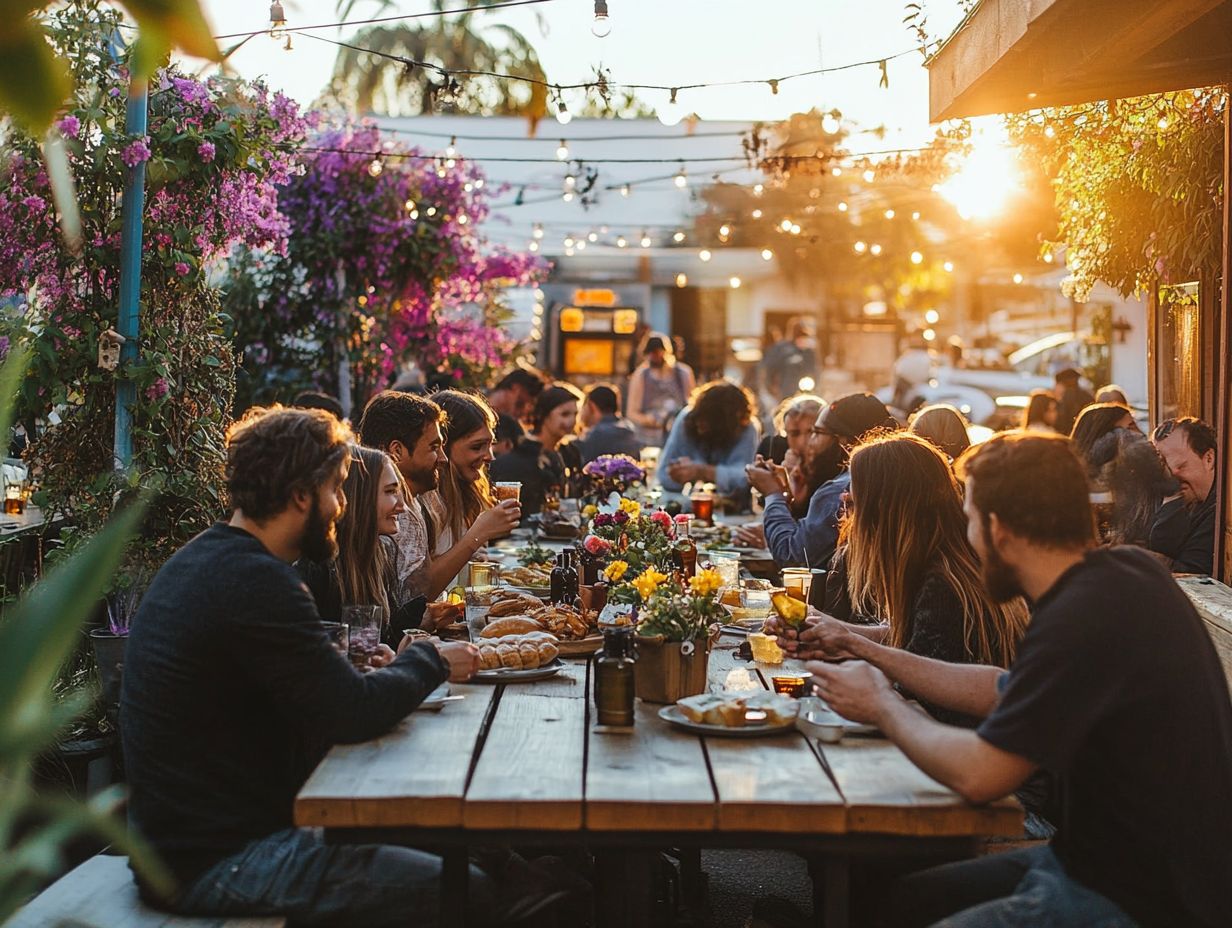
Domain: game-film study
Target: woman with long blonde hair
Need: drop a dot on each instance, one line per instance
(910, 566)
(465, 491)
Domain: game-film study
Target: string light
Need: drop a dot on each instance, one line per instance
(949, 267)
(929, 335)
(785, 225)
(645, 240)
(451, 150)
(704, 254)
(767, 254)
(592, 237)
(1048, 257)
(830, 124)
(869, 176)
(569, 241)
(917, 258)
(581, 245)
(682, 280)
(602, 26)
(562, 151)
(671, 112)
(678, 237)
(463, 219)
(724, 230)
(533, 246)
(874, 249)
(774, 87)
(915, 216)
(932, 317)
(758, 189)
(681, 179)
(889, 214)
(757, 214)
(376, 167)
(537, 232)
(409, 206)
(735, 283)
(795, 229)
(836, 171)
(570, 181)
(563, 116)
(860, 248)
(625, 190)
(621, 241)
(842, 206)
(1017, 278)
(431, 211)
(567, 196)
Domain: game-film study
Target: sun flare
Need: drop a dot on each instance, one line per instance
(986, 179)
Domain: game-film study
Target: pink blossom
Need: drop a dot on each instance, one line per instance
(662, 519)
(69, 126)
(35, 204)
(157, 390)
(182, 269)
(137, 152)
(596, 546)
(206, 151)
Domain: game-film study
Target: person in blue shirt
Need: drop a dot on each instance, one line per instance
(712, 441)
(839, 428)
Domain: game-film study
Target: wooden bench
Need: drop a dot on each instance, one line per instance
(1213, 601)
(101, 894)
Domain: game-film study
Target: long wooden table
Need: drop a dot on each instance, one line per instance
(522, 765)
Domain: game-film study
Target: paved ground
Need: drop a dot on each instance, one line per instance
(739, 878)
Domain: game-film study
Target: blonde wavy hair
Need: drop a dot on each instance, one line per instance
(905, 522)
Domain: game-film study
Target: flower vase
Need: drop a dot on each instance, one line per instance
(670, 670)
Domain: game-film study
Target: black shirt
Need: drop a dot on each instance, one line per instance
(1186, 535)
(231, 691)
(538, 469)
(773, 448)
(1118, 690)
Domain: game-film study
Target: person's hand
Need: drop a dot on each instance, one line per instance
(500, 520)
(855, 690)
(791, 461)
(752, 535)
(462, 658)
(683, 470)
(825, 638)
(382, 657)
(766, 477)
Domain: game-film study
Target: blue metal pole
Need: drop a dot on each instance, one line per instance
(130, 274)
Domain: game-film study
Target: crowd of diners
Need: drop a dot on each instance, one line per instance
(1005, 613)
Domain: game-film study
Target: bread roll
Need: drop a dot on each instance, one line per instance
(509, 656)
(511, 625)
(547, 652)
(529, 652)
(489, 659)
(731, 713)
(696, 708)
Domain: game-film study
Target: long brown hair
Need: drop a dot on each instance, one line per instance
(466, 413)
(363, 564)
(719, 413)
(1037, 407)
(906, 523)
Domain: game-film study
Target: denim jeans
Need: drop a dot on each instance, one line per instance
(1017, 889)
(296, 874)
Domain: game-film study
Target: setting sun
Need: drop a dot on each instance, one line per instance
(984, 181)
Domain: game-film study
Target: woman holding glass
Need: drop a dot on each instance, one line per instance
(543, 461)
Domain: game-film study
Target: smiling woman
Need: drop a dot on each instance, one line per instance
(464, 490)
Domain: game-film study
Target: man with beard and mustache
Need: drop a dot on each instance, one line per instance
(231, 686)
(811, 540)
(1114, 683)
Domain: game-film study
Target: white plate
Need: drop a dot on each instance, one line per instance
(756, 730)
(520, 676)
(435, 701)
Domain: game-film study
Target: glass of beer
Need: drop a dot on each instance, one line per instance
(702, 502)
(798, 583)
(364, 640)
(507, 489)
(14, 500)
(482, 573)
(789, 685)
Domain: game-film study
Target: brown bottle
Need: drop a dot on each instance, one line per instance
(684, 550)
(614, 678)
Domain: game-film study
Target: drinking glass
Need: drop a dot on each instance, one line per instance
(339, 636)
(798, 582)
(728, 568)
(482, 573)
(364, 636)
(478, 602)
(507, 489)
(14, 500)
(702, 502)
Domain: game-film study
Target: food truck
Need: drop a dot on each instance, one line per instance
(591, 338)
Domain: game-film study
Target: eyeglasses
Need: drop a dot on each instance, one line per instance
(1163, 430)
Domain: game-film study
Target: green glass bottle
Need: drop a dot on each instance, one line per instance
(614, 678)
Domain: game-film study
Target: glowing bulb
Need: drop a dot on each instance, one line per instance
(569, 243)
(830, 123)
(376, 167)
(735, 283)
(1163, 123)
(468, 187)
(1048, 257)
(756, 214)
(682, 280)
(949, 267)
(1017, 278)
(592, 237)
(860, 248)
(929, 335)
(621, 241)
(875, 249)
(724, 230)
(758, 189)
(533, 246)
(836, 171)
(569, 252)
(463, 219)
(704, 254)
(563, 116)
(581, 246)
(932, 317)
(807, 384)
(917, 258)
(869, 176)
(671, 112)
(681, 179)
(451, 151)
(915, 216)
(431, 211)
(602, 26)
(538, 230)
(785, 225)
(842, 207)
(1049, 132)
(645, 241)
(562, 151)
(889, 214)
(567, 196)
(625, 190)
(410, 206)
(795, 229)
(414, 214)
(570, 181)
(678, 237)
(767, 254)
(479, 184)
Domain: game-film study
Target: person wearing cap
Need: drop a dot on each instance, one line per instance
(658, 388)
(839, 428)
(1072, 398)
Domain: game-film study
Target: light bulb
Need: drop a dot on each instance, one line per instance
(562, 152)
(563, 116)
(842, 207)
(376, 167)
(859, 247)
(431, 211)
(875, 249)
(682, 280)
(785, 225)
(830, 123)
(735, 283)
(410, 206)
(756, 214)
(929, 335)
(758, 189)
(533, 246)
(915, 216)
(567, 196)
(569, 241)
(704, 254)
(678, 237)
(1017, 278)
(645, 240)
(625, 190)
(869, 176)
(795, 229)
(681, 179)
(479, 183)
(463, 219)
(917, 258)
(581, 246)
(451, 151)
(836, 171)
(932, 317)
(570, 182)
(889, 214)
(621, 241)
(538, 231)
(767, 254)
(949, 267)
(671, 112)
(592, 237)
(724, 230)
(602, 26)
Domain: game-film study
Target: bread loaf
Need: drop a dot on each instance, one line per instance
(511, 625)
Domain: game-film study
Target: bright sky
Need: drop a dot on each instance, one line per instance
(666, 42)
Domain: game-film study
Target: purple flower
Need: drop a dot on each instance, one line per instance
(206, 151)
(35, 204)
(69, 126)
(136, 152)
(182, 269)
(4, 345)
(157, 390)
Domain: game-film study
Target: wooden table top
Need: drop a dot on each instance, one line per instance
(526, 757)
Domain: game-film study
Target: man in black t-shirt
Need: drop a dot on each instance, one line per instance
(232, 690)
(1116, 689)
(1184, 529)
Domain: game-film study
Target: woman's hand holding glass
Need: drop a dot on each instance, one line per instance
(498, 521)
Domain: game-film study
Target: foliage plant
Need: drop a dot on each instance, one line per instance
(1138, 187)
(678, 613)
(382, 266)
(215, 153)
(38, 634)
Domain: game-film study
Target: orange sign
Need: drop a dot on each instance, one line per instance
(624, 321)
(594, 297)
(572, 319)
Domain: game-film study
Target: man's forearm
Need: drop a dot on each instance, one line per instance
(967, 688)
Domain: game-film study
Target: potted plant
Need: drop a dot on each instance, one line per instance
(675, 629)
(108, 641)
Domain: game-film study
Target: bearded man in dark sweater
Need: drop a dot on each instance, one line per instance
(232, 689)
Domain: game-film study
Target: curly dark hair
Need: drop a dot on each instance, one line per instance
(393, 416)
(272, 453)
(719, 412)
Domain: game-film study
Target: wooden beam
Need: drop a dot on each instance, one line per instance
(1222, 565)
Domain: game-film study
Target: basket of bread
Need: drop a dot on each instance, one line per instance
(572, 630)
(737, 716)
(513, 657)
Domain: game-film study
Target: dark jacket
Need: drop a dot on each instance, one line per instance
(610, 435)
(539, 471)
(1186, 535)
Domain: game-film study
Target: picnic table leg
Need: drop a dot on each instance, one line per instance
(624, 888)
(693, 881)
(834, 907)
(455, 876)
